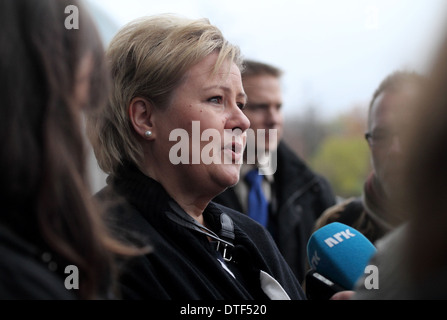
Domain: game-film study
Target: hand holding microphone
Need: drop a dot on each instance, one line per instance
(338, 255)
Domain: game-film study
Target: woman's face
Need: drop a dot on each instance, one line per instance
(204, 128)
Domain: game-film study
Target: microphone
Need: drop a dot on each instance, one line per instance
(318, 287)
(338, 255)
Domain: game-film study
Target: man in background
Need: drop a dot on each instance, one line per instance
(293, 196)
(372, 213)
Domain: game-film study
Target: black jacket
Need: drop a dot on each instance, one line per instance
(28, 273)
(301, 196)
(183, 263)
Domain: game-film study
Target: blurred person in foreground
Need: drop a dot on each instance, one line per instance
(373, 214)
(171, 139)
(295, 196)
(412, 261)
(49, 76)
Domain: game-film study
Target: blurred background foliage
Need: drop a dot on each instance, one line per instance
(335, 148)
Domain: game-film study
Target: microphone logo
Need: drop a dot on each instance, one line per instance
(315, 260)
(338, 237)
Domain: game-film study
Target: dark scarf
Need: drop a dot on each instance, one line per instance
(378, 206)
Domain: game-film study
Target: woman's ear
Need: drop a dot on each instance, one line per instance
(140, 113)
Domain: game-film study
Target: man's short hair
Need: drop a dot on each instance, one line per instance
(395, 82)
(256, 68)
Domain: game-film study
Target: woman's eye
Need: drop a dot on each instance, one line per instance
(217, 99)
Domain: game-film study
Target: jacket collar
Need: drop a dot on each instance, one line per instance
(142, 192)
(293, 175)
(152, 201)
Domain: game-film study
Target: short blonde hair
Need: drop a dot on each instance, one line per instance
(149, 58)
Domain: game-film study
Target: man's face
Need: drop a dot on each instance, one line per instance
(264, 107)
(385, 129)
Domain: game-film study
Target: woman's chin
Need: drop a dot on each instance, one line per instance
(229, 175)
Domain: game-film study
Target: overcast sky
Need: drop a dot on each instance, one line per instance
(334, 53)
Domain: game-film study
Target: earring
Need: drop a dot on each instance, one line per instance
(148, 134)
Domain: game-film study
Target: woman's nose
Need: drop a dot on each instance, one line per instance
(238, 120)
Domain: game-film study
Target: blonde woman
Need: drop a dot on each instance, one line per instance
(171, 140)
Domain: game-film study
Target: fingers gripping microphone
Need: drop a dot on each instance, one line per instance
(339, 253)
